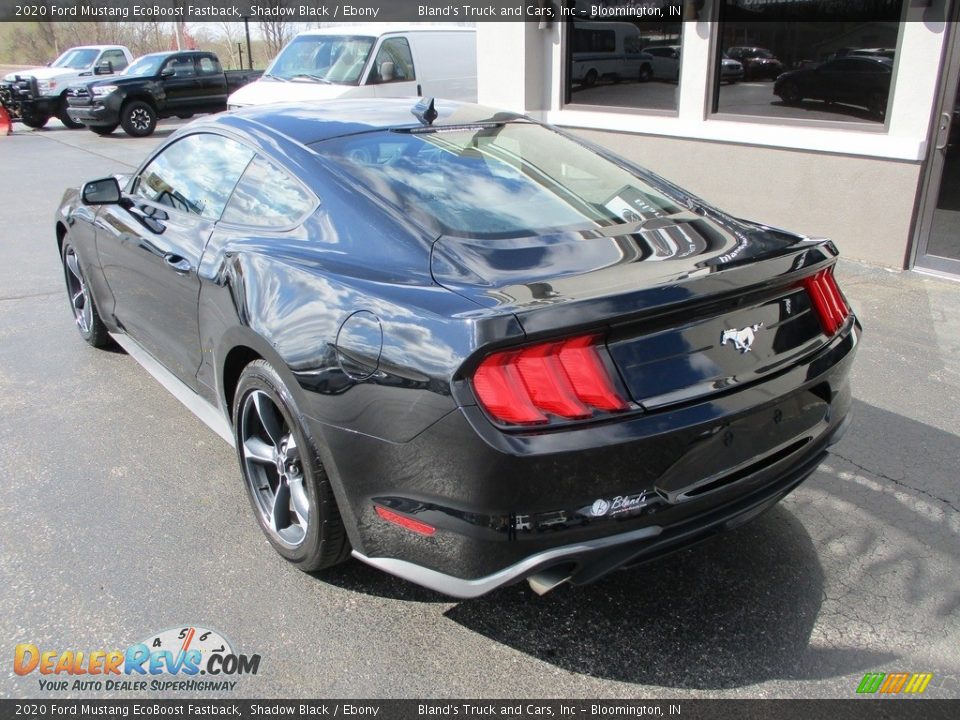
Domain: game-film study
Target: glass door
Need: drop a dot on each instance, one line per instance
(938, 246)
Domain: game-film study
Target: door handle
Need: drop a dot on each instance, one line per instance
(943, 130)
(177, 263)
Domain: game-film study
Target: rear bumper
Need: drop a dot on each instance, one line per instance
(506, 506)
(585, 562)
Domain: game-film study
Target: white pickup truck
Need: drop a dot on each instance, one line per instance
(34, 96)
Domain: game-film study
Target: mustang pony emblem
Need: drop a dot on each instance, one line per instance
(741, 339)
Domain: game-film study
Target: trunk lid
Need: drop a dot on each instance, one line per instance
(692, 304)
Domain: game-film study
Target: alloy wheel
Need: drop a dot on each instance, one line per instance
(140, 119)
(79, 293)
(273, 469)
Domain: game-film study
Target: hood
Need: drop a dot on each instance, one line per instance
(44, 73)
(267, 91)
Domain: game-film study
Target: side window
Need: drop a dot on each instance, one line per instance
(194, 175)
(116, 58)
(394, 63)
(267, 197)
(182, 67)
(209, 66)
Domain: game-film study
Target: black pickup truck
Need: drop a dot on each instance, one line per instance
(155, 86)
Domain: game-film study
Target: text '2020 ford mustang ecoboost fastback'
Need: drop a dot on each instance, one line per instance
(463, 346)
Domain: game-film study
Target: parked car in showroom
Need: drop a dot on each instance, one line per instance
(758, 62)
(731, 70)
(863, 81)
(461, 346)
(155, 86)
(34, 96)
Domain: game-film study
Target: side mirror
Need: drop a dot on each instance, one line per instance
(101, 192)
(104, 68)
(386, 71)
(168, 72)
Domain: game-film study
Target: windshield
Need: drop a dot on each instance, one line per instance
(509, 180)
(145, 66)
(336, 59)
(76, 59)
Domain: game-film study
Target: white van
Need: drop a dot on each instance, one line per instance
(608, 50)
(369, 61)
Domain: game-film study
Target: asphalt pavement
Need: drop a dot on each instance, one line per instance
(123, 516)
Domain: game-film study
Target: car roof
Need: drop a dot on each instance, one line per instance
(312, 122)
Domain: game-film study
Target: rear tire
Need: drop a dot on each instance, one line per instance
(103, 129)
(138, 119)
(646, 72)
(877, 104)
(590, 79)
(296, 510)
(185, 116)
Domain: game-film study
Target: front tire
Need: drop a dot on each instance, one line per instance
(35, 121)
(646, 72)
(790, 93)
(85, 314)
(138, 119)
(288, 487)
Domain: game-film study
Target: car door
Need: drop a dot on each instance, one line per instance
(151, 243)
(392, 73)
(181, 84)
(213, 84)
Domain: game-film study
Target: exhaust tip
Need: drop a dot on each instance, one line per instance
(543, 582)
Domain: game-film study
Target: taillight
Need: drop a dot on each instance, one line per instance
(563, 379)
(827, 300)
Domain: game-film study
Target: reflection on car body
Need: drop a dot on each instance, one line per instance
(467, 350)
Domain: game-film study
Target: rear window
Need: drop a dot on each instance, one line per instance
(506, 180)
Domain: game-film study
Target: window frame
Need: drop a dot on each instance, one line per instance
(376, 53)
(314, 204)
(714, 85)
(566, 84)
(130, 189)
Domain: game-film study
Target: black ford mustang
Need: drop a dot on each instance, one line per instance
(468, 349)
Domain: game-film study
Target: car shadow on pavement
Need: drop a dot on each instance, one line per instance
(735, 610)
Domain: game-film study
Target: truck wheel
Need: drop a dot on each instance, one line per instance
(185, 116)
(103, 129)
(34, 121)
(64, 118)
(138, 119)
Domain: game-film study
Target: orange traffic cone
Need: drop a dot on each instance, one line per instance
(6, 127)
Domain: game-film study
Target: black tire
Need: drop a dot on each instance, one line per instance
(103, 129)
(82, 304)
(646, 72)
(590, 79)
(321, 540)
(34, 121)
(790, 93)
(63, 117)
(138, 118)
(185, 116)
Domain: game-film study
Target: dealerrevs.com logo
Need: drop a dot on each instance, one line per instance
(168, 661)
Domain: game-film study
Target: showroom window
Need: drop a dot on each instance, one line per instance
(621, 61)
(824, 60)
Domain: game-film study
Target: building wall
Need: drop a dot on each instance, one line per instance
(856, 185)
(864, 204)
